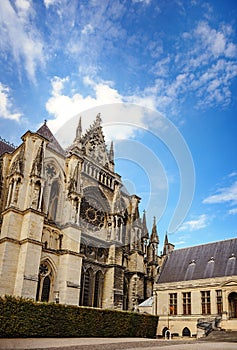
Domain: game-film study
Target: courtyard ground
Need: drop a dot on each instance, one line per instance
(112, 344)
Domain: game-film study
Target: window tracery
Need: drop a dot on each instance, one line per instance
(44, 282)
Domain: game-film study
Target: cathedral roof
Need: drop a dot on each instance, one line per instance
(210, 260)
(53, 143)
(5, 147)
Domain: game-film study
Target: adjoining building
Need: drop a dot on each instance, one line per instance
(197, 290)
(70, 231)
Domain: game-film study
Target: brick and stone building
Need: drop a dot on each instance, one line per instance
(70, 231)
(197, 289)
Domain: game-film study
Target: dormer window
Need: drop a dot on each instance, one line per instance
(192, 262)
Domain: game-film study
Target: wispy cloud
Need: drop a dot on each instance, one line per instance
(196, 224)
(206, 70)
(233, 211)
(223, 195)
(20, 36)
(6, 107)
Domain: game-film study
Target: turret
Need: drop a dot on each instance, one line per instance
(168, 247)
(153, 245)
(154, 234)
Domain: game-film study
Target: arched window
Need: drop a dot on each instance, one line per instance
(86, 288)
(53, 201)
(125, 293)
(45, 289)
(44, 282)
(186, 332)
(82, 287)
(98, 289)
(232, 298)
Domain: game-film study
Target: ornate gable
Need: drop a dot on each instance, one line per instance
(93, 143)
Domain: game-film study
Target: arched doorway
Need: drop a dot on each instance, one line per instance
(232, 298)
(186, 332)
(165, 329)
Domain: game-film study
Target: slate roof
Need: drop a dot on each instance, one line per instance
(216, 259)
(5, 147)
(53, 144)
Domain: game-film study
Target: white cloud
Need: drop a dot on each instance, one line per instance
(48, 3)
(196, 224)
(233, 211)
(233, 174)
(6, 109)
(208, 57)
(88, 29)
(147, 2)
(223, 195)
(63, 107)
(20, 36)
(216, 42)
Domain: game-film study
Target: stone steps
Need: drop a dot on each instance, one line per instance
(220, 336)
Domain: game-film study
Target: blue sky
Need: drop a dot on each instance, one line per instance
(163, 74)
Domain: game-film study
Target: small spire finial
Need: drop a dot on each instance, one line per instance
(78, 132)
(98, 119)
(154, 234)
(45, 121)
(111, 152)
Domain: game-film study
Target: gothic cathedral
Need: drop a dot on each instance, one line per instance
(70, 231)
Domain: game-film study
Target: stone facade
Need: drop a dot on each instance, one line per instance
(70, 232)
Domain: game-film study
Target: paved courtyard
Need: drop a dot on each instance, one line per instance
(111, 344)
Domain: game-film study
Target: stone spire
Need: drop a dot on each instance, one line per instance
(154, 235)
(166, 239)
(111, 152)
(144, 226)
(77, 140)
(98, 120)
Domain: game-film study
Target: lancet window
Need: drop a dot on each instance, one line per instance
(91, 288)
(44, 282)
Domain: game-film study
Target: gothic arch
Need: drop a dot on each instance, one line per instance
(52, 194)
(186, 332)
(51, 238)
(46, 278)
(91, 288)
(50, 161)
(54, 199)
(232, 300)
(86, 287)
(164, 331)
(95, 196)
(98, 289)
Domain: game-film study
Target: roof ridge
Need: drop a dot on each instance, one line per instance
(205, 244)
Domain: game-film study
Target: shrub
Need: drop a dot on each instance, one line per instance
(20, 317)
